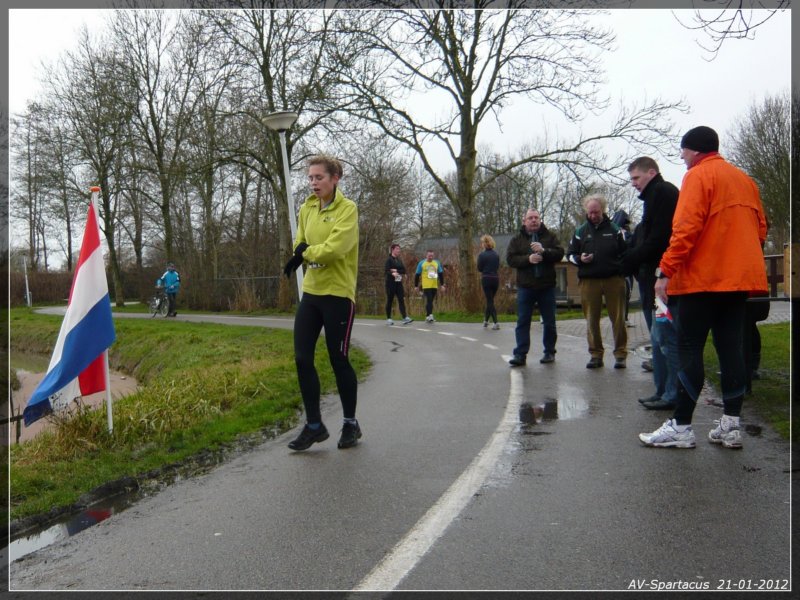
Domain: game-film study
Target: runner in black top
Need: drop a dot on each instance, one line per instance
(488, 265)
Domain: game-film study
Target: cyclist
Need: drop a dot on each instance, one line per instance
(171, 280)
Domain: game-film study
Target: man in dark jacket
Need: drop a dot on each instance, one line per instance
(395, 270)
(597, 248)
(533, 252)
(652, 238)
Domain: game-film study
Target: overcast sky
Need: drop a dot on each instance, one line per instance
(655, 57)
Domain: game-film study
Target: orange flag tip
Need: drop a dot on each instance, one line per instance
(94, 188)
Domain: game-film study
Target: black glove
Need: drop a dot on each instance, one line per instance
(296, 260)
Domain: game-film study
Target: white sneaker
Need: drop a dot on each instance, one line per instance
(496, 326)
(429, 319)
(726, 432)
(407, 320)
(389, 322)
(667, 436)
(486, 323)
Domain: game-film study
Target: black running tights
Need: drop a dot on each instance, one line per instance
(335, 314)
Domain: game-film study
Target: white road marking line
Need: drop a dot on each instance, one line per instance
(490, 347)
(469, 339)
(445, 333)
(399, 562)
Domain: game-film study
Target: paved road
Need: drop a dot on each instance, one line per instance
(449, 491)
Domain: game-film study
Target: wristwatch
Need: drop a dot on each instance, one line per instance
(659, 274)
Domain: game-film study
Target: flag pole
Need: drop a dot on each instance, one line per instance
(95, 194)
(108, 391)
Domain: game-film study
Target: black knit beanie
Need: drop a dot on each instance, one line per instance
(701, 139)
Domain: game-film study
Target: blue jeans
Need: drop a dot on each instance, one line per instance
(665, 359)
(546, 299)
(721, 313)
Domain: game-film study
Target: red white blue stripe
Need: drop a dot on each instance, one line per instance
(76, 367)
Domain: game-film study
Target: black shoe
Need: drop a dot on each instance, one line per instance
(547, 358)
(518, 360)
(619, 363)
(652, 398)
(594, 363)
(309, 436)
(647, 365)
(350, 435)
(659, 405)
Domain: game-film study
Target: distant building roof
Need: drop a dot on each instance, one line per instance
(446, 245)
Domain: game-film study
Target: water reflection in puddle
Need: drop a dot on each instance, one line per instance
(572, 401)
(63, 529)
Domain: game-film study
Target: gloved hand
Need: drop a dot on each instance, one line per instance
(296, 260)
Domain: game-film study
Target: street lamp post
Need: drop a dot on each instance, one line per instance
(280, 122)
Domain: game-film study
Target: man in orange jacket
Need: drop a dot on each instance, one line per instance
(713, 262)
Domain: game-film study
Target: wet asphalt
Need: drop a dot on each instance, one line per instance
(571, 503)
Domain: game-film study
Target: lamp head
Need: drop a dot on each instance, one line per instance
(279, 121)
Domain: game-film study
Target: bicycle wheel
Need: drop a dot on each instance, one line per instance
(154, 306)
(163, 308)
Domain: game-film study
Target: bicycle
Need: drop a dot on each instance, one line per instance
(159, 303)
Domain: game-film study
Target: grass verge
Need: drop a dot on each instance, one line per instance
(202, 386)
(770, 397)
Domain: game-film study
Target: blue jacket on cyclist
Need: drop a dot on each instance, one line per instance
(171, 280)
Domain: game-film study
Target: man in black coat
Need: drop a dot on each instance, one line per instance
(395, 270)
(596, 248)
(651, 240)
(533, 252)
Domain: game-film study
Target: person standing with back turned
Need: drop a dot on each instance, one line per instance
(488, 267)
(327, 240)
(714, 260)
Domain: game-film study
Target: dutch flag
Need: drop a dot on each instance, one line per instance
(77, 366)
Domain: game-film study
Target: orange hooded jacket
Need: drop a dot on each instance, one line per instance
(718, 232)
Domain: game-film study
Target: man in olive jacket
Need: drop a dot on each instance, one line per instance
(533, 252)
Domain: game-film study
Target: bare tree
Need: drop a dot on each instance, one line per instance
(760, 144)
(162, 58)
(736, 19)
(27, 193)
(290, 59)
(85, 89)
(471, 65)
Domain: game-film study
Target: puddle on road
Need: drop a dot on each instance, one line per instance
(571, 403)
(70, 526)
(35, 538)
